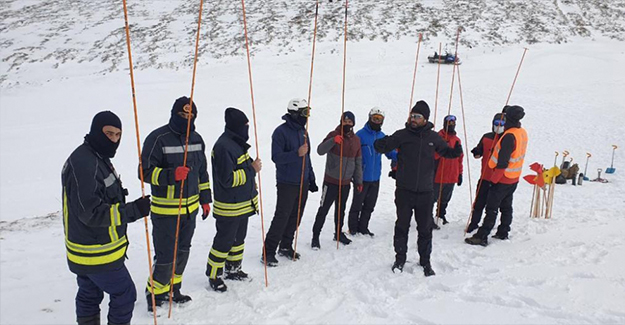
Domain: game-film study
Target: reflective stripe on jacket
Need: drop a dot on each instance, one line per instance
(515, 163)
(95, 213)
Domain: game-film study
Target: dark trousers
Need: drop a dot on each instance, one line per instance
(362, 207)
(118, 284)
(480, 203)
(499, 198)
(330, 196)
(285, 220)
(445, 195)
(420, 203)
(228, 245)
(164, 236)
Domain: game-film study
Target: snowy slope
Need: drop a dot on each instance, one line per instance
(565, 270)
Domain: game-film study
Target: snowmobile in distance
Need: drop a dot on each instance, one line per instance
(444, 59)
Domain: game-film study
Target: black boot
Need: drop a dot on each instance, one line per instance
(435, 226)
(217, 284)
(471, 228)
(289, 253)
(234, 271)
(367, 232)
(271, 259)
(475, 240)
(343, 239)
(398, 266)
(90, 320)
(500, 236)
(159, 299)
(427, 270)
(179, 298)
(315, 243)
(445, 220)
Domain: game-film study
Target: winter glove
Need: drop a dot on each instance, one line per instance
(457, 150)
(359, 188)
(497, 175)
(181, 173)
(206, 210)
(338, 139)
(143, 205)
(460, 180)
(313, 187)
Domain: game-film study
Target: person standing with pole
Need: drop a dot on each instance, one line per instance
(95, 218)
(416, 143)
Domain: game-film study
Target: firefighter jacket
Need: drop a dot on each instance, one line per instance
(233, 176)
(509, 154)
(163, 152)
(95, 213)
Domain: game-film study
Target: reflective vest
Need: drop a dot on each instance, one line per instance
(515, 164)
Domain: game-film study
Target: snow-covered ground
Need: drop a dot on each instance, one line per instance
(570, 269)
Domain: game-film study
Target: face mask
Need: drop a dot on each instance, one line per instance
(451, 129)
(374, 126)
(347, 128)
(179, 123)
(102, 144)
(498, 129)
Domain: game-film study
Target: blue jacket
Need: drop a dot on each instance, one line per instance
(371, 159)
(285, 141)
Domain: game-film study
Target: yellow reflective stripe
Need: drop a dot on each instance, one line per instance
(155, 174)
(238, 177)
(176, 202)
(243, 176)
(244, 157)
(174, 211)
(218, 253)
(230, 213)
(159, 288)
(170, 191)
(234, 258)
(232, 206)
(236, 249)
(95, 249)
(96, 260)
(65, 213)
(177, 278)
(205, 186)
(115, 221)
(216, 264)
(235, 178)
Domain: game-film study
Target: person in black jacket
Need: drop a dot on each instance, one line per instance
(416, 145)
(162, 160)
(236, 199)
(95, 215)
(290, 145)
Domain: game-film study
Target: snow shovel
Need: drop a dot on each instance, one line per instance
(611, 169)
(588, 155)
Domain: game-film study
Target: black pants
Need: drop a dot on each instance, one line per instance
(480, 202)
(118, 284)
(445, 194)
(420, 203)
(330, 196)
(362, 207)
(228, 245)
(164, 236)
(284, 223)
(499, 198)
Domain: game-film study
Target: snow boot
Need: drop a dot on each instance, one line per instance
(445, 220)
(343, 239)
(472, 228)
(435, 226)
(399, 266)
(159, 299)
(475, 240)
(500, 236)
(289, 253)
(217, 284)
(353, 232)
(179, 298)
(90, 320)
(367, 232)
(233, 271)
(271, 259)
(315, 243)
(427, 270)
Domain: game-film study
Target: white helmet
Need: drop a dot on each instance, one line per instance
(296, 104)
(376, 111)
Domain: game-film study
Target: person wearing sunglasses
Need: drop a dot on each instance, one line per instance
(483, 150)
(506, 163)
(417, 144)
(339, 146)
(164, 169)
(448, 170)
(289, 147)
(363, 202)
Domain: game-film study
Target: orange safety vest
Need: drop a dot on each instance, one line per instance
(515, 164)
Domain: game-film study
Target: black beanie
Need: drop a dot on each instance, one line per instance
(350, 116)
(96, 137)
(179, 123)
(498, 117)
(179, 105)
(421, 107)
(514, 114)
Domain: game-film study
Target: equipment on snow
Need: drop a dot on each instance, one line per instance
(588, 155)
(599, 179)
(580, 179)
(611, 169)
(448, 58)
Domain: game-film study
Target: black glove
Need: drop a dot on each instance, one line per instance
(313, 187)
(392, 174)
(459, 179)
(457, 150)
(143, 205)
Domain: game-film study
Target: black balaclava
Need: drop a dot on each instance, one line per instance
(374, 126)
(236, 122)
(451, 129)
(96, 137)
(348, 128)
(179, 123)
(298, 118)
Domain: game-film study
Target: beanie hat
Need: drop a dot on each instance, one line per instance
(514, 113)
(350, 116)
(96, 137)
(180, 103)
(421, 107)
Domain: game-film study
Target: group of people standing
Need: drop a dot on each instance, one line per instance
(425, 164)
